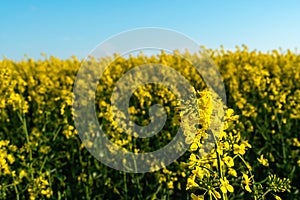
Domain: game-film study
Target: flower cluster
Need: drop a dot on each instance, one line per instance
(247, 154)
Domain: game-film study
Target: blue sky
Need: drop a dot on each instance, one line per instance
(65, 28)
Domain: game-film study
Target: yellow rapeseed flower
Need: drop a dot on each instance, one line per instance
(225, 186)
(247, 182)
(229, 161)
(263, 161)
(232, 172)
(191, 183)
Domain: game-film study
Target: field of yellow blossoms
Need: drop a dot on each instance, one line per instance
(256, 155)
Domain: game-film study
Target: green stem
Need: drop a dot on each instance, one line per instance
(282, 139)
(43, 164)
(24, 124)
(56, 133)
(269, 190)
(218, 156)
(224, 196)
(260, 182)
(211, 171)
(135, 170)
(16, 189)
(210, 196)
(245, 163)
(156, 192)
(213, 195)
(125, 185)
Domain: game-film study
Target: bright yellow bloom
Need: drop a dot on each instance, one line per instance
(191, 183)
(232, 172)
(247, 182)
(194, 146)
(225, 186)
(22, 173)
(48, 192)
(229, 161)
(199, 172)
(10, 159)
(170, 185)
(263, 161)
(284, 120)
(296, 142)
(241, 149)
(193, 158)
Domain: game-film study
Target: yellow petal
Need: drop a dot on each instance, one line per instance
(194, 146)
(223, 189)
(230, 188)
(248, 188)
